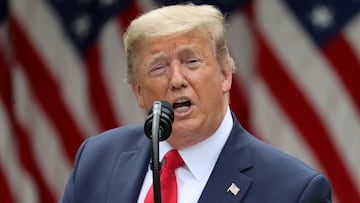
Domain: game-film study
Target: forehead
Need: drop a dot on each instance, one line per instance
(185, 43)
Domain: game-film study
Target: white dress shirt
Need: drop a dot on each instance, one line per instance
(199, 161)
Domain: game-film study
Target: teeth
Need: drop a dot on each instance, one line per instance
(181, 105)
(181, 109)
(181, 100)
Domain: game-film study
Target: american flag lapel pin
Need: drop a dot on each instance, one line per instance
(234, 189)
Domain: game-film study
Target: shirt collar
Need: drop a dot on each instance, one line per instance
(202, 164)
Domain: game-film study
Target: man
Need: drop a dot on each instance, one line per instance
(178, 54)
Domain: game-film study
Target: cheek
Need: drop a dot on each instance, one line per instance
(137, 90)
(209, 90)
(212, 81)
(156, 87)
(152, 90)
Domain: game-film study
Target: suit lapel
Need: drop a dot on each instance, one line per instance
(218, 189)
(129, 173)
(234, 159)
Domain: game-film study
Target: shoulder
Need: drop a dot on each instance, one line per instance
(98, 159)
(105, 148)
(117, 136)
(273, 171)
(110, 144)
(283, 172)
(265, 156)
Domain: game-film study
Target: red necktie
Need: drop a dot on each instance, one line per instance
(167, 179)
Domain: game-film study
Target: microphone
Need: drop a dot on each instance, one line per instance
(158, 127)
(163, 113)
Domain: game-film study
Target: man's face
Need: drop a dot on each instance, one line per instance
(183, 70)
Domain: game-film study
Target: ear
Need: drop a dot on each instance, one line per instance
(136, 87)
(227, 79)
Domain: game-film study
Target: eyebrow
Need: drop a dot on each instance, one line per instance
(188, 50)
(184, 50)
(153, 59)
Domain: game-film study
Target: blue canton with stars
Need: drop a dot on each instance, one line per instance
(3, 11)
(83, 19)
(323, 19)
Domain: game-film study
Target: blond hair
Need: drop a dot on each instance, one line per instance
(177, 19)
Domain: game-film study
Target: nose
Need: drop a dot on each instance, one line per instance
(177, 77)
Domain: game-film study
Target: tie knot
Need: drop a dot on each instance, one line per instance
(173, 160)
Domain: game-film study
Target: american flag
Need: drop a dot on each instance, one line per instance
(62, 71)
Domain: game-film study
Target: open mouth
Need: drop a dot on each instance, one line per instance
(181, 105)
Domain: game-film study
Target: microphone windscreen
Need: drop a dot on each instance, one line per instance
(166, 120)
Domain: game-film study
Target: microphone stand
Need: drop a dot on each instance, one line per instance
(157, 127)
(155, 163)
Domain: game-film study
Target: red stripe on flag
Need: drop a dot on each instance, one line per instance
(306, 120)
(239, 103)
(346, 64)
(5, 84)
(5, 193)
(22, 137)
(128, 14)
(99, 96)
(47, 92)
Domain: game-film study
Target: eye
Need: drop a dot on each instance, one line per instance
(192, 62)
(158, 69)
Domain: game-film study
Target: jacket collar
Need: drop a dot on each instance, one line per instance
(227, 182)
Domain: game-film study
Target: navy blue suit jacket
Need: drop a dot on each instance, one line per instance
(110, 168)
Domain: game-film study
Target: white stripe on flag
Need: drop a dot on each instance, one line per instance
(114, 68)
(352, 32)
(20, 183)
(147, 5)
